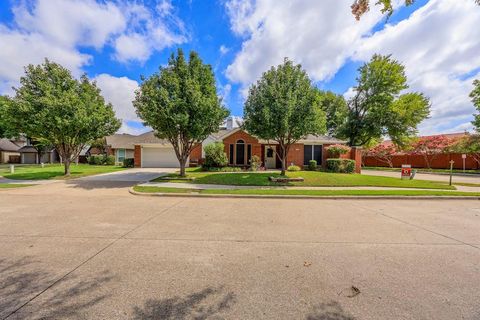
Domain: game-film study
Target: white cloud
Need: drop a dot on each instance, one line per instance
(439, 44)
(224, 50)
(59, 29)
(320, 35)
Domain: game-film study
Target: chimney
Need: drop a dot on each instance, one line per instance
(230, 123)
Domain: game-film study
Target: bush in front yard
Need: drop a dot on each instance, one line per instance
(128, 163)
(336, 150)
(255, 163)
(96, 160)
(312, 165)
(341, 165)
(109, 160)
(222, 169)
(215, 156)
(293, 168)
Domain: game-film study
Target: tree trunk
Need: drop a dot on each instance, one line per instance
(284, 166)
(67, 167)
(283, 159)
(182, 168)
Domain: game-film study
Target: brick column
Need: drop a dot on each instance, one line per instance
(356, 154)
(137, 155)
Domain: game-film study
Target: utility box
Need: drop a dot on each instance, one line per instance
(406, 171)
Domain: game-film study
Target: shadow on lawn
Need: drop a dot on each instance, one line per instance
(22, 279)
(205, 304)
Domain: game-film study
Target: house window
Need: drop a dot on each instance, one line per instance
(230, 154)
(312, 152)
(120, 155)
(240, 152)
(249, 153)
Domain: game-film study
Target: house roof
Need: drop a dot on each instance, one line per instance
(128, 141)
(27, 149)
(7, 145)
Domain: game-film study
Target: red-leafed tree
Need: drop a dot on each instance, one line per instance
(431, 147)
(383, 153)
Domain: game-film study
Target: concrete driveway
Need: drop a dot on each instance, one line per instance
(69, 252)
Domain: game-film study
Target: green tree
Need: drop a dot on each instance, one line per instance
(335, 108)
(5, 126)
(360, 7)
(283, 107)
(377, 108)
(59, 110)
(181, 104)
(475, 95)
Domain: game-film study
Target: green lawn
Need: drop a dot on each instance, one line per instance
(318, 193)
(13, 185)
(55, 171)
(312, 179)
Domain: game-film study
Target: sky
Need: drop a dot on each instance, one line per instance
(118, 42)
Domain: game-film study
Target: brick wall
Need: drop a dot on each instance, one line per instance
(248, 139)
(137, 155)
(196, 153)
(417, 161)
(295, 155)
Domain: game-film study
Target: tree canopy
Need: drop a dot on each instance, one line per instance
(336, 110)
(181, 104)
(283, 107)
(4, 100)
(58, 109)
(360, 7)
(377, 108)
(475, 95)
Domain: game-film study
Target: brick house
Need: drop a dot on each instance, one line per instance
(239, 148)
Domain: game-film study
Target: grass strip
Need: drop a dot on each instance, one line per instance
(149, 189)
(13, 185)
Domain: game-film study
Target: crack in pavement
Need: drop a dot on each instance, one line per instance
(164, 211)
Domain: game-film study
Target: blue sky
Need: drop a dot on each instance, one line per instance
(116, 42)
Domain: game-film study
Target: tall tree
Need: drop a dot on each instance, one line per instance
(181, 104)
(62, 111)
(360, 7)
(5, 127)
(377, 108)
(431, 147)
(335, 108)
(283, 107)
(475, 95)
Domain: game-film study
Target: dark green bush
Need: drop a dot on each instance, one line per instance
(341, 165)
(109, 161)
(312, 165)
(128, 163)
(215, 156)
(101, 160)
(222, 169)
(96, 160)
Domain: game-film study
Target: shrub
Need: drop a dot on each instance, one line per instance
(128, 163)
(255, 163)
(341, 165)
(100, 160)
(222, 169)
(215, 156)
(293, 168)
(109, 160)
(312, 165)
(336, 150)
(95, 160)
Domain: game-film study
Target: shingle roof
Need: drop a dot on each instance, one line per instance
(28, 149)
(7, 145)
(128, 141)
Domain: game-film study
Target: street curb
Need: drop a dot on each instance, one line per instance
(248, 196)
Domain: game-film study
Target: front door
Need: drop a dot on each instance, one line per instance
(270, 157)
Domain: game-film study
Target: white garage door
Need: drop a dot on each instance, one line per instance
(159, 158)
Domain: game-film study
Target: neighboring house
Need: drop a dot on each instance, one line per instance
(29, 155)
(9, 151)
